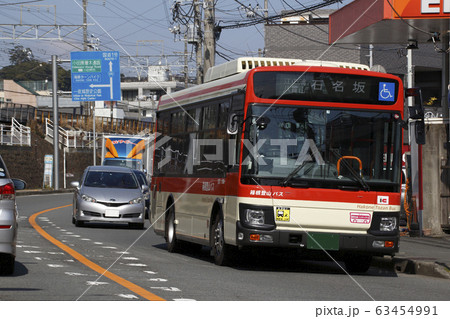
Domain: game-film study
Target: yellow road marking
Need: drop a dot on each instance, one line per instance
(123, 282)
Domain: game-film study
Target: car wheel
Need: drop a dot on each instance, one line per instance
(171, 236)
(136, 225)
(73, 220)
(79, 223)
(357, 263)
(7, 264)
(220, 250)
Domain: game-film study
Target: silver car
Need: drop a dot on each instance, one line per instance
(8, 219)
(109, 194)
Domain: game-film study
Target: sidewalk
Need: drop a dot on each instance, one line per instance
(428, 256)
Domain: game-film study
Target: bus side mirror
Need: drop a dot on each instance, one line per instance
(416, 112)
(232, 125)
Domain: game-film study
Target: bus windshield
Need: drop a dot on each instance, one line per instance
(322, 147)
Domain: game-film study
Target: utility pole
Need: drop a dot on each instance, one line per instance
(55, 123)
(210, 40)
(198, 42)
(186, 69)
(84, 25)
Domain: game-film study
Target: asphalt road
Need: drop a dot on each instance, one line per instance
(68, 264)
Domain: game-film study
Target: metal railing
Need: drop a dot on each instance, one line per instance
(71, 138)
(15, 134)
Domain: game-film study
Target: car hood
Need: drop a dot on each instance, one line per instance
(111, 194)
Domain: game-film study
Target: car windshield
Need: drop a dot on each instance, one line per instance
(322, 147)
(141, 179)
(133, 164)
(110, 180)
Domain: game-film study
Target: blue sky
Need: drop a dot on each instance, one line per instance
(134, 27)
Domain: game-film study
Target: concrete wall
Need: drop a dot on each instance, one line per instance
(435, 179)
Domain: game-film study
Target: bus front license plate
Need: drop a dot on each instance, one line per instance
(320, 241)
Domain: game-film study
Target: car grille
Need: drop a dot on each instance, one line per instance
(135, 215)
(92, 214)
(112, 204)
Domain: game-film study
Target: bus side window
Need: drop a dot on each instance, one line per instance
(237, 107)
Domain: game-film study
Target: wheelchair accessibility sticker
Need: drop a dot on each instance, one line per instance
(386, 91)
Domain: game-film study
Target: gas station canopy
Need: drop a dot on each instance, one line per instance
(389, 21)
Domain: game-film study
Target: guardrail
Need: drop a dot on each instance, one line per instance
(71, 138)
(15, 134)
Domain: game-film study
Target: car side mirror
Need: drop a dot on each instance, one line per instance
(75, 184)
(145, 188)
(18, 184)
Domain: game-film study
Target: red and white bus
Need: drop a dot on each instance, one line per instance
(282, 153)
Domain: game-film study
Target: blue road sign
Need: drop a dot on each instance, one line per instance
(95, 76)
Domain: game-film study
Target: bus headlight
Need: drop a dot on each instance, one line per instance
(388, 224)
(384, 224)
(254, 217)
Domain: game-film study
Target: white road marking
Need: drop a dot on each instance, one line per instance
(55, 266)
(150, 272)
(109, 247)
(130, 258)
(183, 299)
(33, 252)
(173, 289)
(56, 253)
(129, 296)
(137, 265)
(157, 279)
(96, 283)
(75, 274)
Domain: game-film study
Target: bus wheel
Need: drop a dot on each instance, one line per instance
(357, 263)
(220, 250)
(171, 237)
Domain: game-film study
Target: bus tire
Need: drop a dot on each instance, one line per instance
(357, 263)
(171, 236)
(219, 249)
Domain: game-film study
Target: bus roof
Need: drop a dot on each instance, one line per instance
(206, 91)
(223, 79)
(245, 64)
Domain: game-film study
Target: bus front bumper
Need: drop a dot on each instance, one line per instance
(339, 242)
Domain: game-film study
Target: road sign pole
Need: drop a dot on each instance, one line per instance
(93, 131)
(55, 122)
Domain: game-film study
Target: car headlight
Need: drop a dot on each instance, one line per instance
(388, 223)
(137, 200)
(254, 217)
(88, 198)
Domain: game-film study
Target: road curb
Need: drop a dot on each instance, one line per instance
(423, 267)
(26, 192)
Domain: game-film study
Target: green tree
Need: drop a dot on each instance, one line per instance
(19, 54)
(24, 67)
